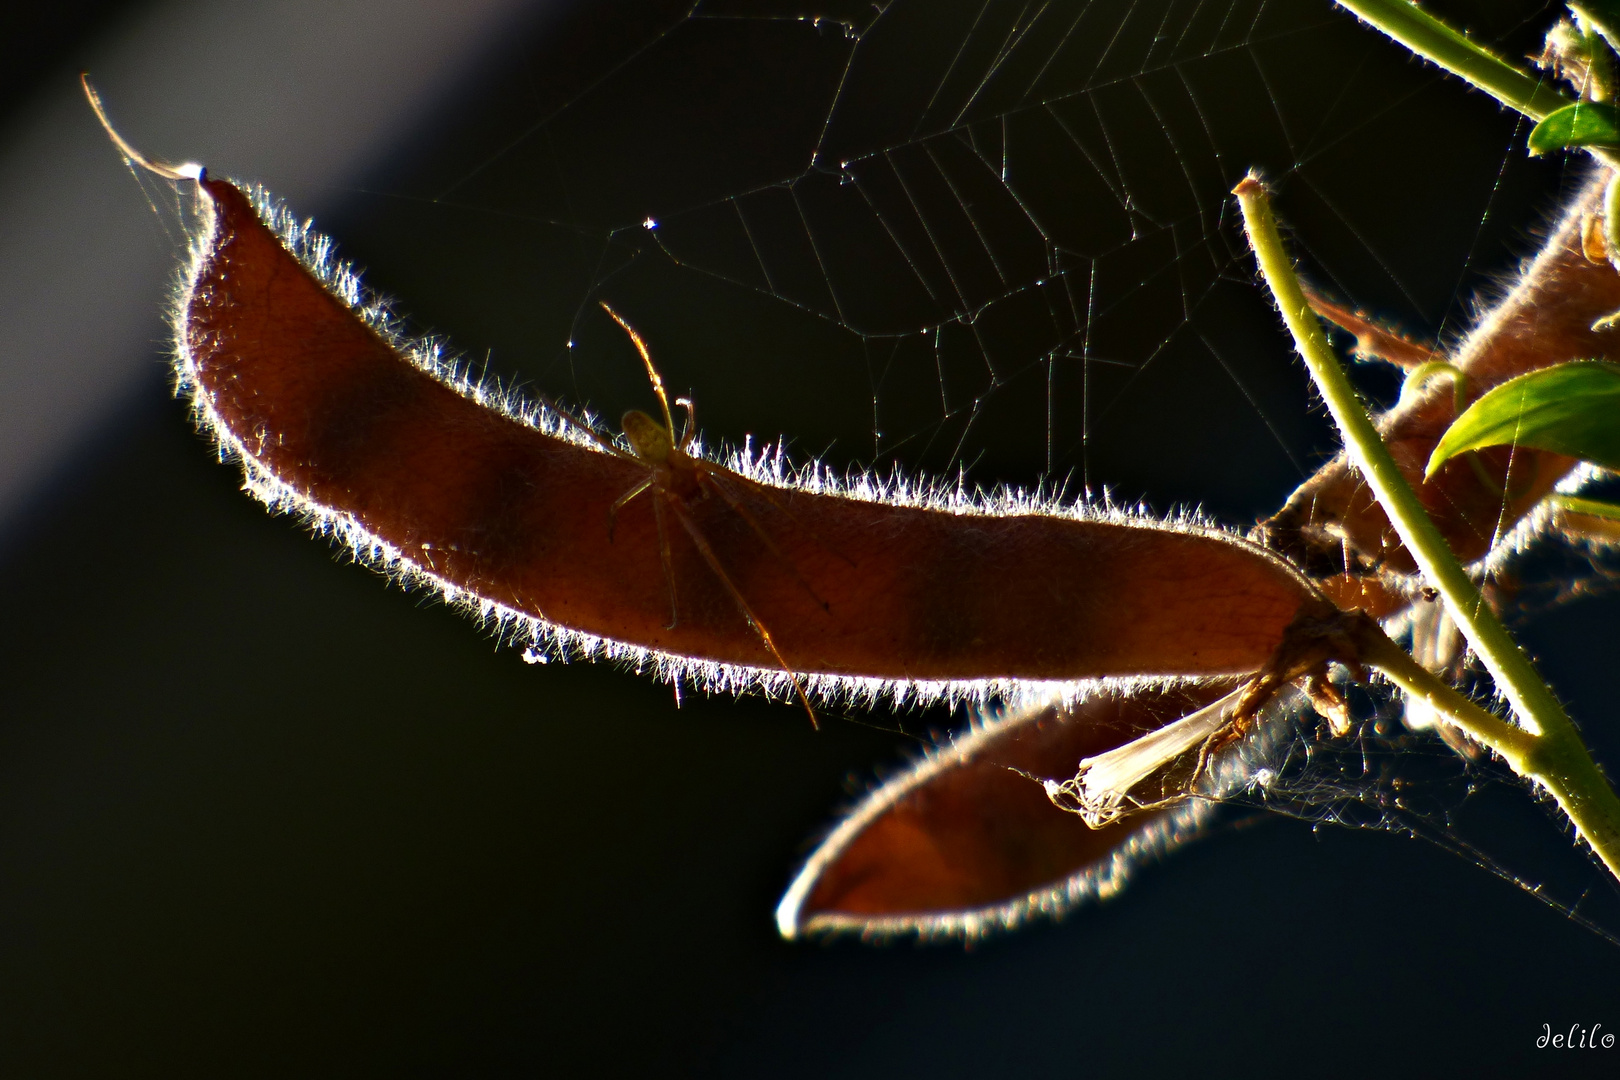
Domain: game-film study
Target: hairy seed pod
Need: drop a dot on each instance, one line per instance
(1332, 525)
(508, 509)
(967, 841)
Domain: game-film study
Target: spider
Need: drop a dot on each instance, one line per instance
(675, 478)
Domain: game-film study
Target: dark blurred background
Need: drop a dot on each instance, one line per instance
(262, 814)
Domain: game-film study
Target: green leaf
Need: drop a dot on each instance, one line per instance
(1585, 123)
(1569, 409)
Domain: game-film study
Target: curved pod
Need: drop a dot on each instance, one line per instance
(507, 507)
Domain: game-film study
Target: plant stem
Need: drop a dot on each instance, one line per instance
(1422, 33)
(1574, 504)
(1480, 724)
(1550, 753)
(1433, 40)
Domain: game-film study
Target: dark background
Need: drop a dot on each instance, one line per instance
(260, 813)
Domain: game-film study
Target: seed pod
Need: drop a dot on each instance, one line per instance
(1333, 525)
(510, 509)
(967, 841)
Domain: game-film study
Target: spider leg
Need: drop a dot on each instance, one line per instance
(646, 358)
(622, 501)
(668, 561)
(602, 441)
(713, 560)
(736, 504)
(709, 470)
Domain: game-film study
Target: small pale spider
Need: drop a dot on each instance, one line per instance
(675, 478)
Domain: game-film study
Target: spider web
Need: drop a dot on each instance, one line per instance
(993, 239)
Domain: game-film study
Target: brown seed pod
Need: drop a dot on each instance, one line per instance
(506, 508)
(1332, 525)
(968, 840)
(953, 845)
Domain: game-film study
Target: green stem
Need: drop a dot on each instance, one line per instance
(1483, 726)
(1599, 17)
(1576, 505)
(1611, 228)
(1420, 375)
(1433, 40)
(1553, 756)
